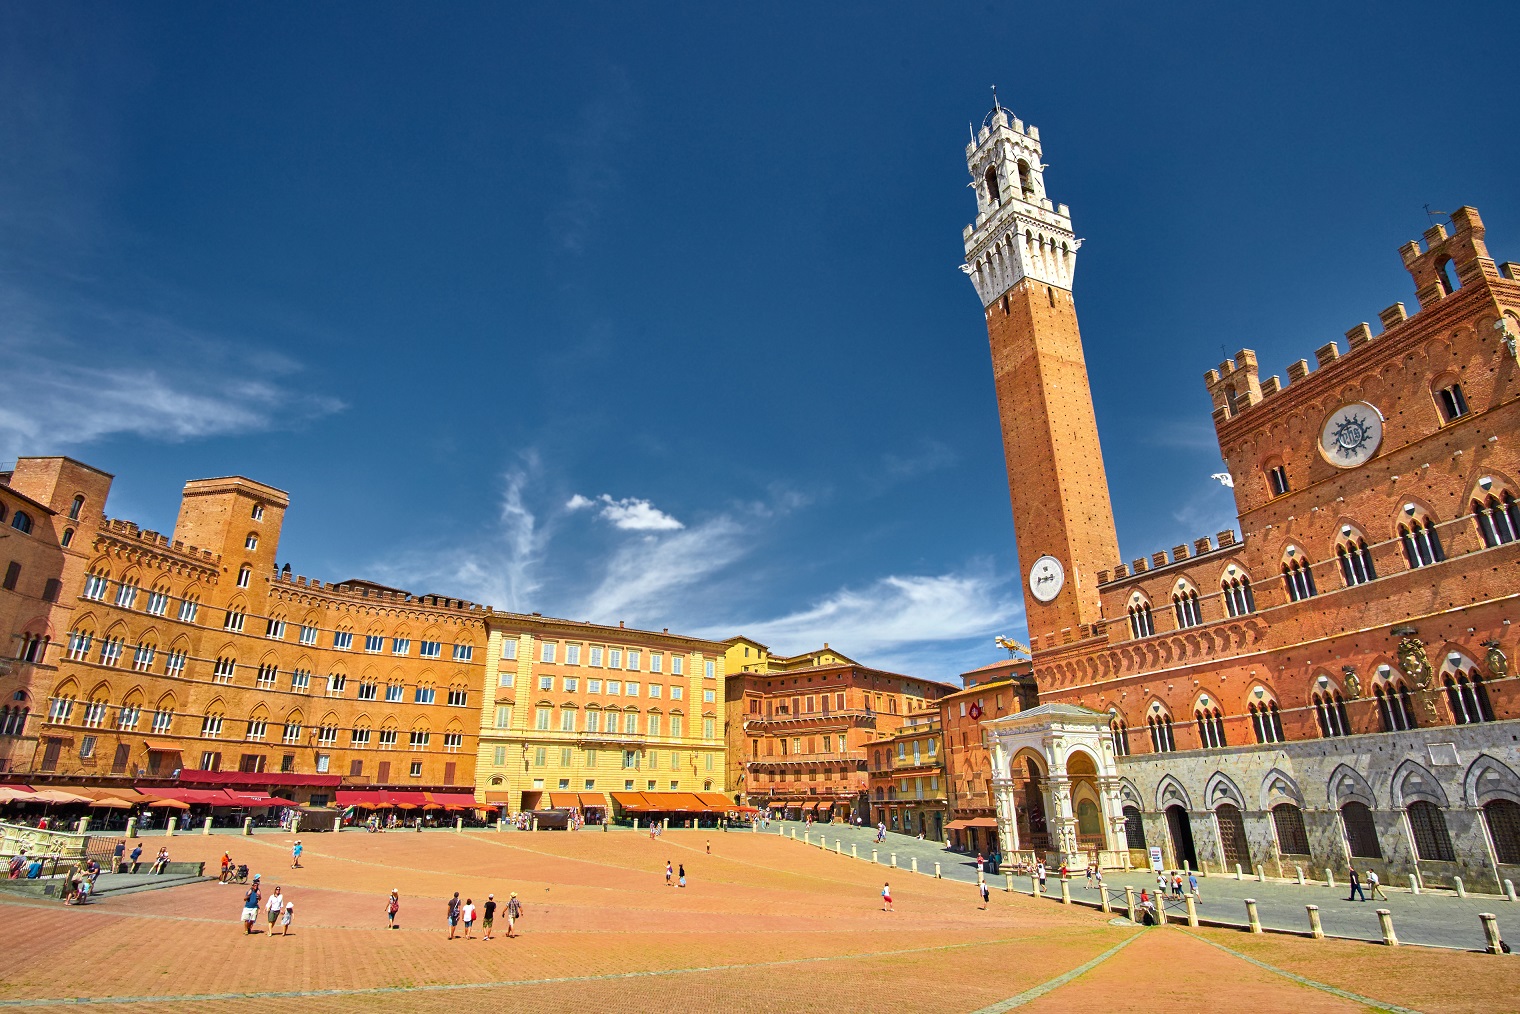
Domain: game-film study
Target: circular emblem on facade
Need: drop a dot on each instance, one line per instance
(1046, 578)
(1351, 435)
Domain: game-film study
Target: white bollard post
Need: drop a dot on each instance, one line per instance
(1329, 879)
(1414, 884)
(1385, 922)
(132, 833)
(1491, 931)
(1316, 930)
(1252, 919)
(915, 864)
(874, 859)
(1299, 870)
(206, 828)
(1065, 892)
(1261, 874)
(1192, 910)
(894, 860)
(1238, 875)
(854, 850)
(1129, 902)
(1461, 887)
(1007, 879)
(459, 825)
(171, 827)
(247, 827)
(1509, 889)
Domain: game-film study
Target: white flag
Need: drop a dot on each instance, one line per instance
(1224, 479)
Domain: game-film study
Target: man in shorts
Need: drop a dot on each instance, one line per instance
(453, 914)
(514, 913)
(487, 917)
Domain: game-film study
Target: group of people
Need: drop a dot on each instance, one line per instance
(1174, 882)
(1374, 886)
(278, 909)
(670, 872)
(466, 913)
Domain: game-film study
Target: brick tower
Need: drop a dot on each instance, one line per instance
(1020, 255)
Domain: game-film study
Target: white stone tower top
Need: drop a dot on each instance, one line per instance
(1018, 233)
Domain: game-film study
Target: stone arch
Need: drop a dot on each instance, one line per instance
(1348, 785)
(1018, 768)
(1413, 782)
(1277, 786)
(166, 701)
(1221, 788)
(1130, 794)
(1488, 779)
(1169, 792)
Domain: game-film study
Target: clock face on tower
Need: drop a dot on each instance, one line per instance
(1351, 435)
(1046, 578)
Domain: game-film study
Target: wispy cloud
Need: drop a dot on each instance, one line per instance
(501, 568)
(646, 574)
(78, 374)
(898, 621)
(925, 456)
(629, 514)
(1184, 434)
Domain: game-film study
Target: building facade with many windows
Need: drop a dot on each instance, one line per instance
(1333, 687)
(163, 655)
(573, 712)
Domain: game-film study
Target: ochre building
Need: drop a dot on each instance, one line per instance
(155, 657)
(1333, 687)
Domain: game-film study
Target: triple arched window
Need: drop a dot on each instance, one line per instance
(1210, 727)
(1330, 710)
(1238, 600)
(1266, 722)
(1185, 605)
(1297, 578)
(1498, 518)
(1120, 731)
(1354, 557)
(1141, 624)
(1418, 536)
(1468, 698)
(1161, 733)
(1394, 706)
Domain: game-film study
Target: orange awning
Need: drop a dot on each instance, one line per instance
(592, 799)
(564, 800)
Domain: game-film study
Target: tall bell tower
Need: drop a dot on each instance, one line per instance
(1021, 255)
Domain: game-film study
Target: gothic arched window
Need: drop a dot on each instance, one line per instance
(1297, 578)
(1498, 518)
(1238, 600)
(993, 197)
(1468, 698)
(1394, 706)
(1210, 727)
(1161, 733)
(1417, 534)
(1266, 722)
(1185, 606)
(1330, 710)
(1355, 558)
(1432, 842)
(1141, 623)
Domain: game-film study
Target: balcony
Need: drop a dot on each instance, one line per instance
(759, 723)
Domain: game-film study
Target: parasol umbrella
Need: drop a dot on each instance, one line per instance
(111, 803)
(406, 806)
(435, 806)
(59, 796)
(168, 804)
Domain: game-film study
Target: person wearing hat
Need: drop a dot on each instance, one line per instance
(514, 913)
(488, 916)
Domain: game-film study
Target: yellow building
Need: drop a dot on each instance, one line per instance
(582, 710)
(744, 654)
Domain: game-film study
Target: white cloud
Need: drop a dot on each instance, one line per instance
(645, 574)
(899, 621)
(629, 514)
(500, 569)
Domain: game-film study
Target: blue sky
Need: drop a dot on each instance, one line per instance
(654, 315)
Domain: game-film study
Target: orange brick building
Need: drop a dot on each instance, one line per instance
(195, 656)
(1333, 688)
(989, 693)
(799, 738)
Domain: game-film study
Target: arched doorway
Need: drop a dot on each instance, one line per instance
(1082, 774)
(1181, 829)
(1232, 836)
(1029, 802)
(1134, 830)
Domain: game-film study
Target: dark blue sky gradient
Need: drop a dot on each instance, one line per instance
(407, 260)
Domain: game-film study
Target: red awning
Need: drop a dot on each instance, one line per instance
(201, 797)
(360, 797)
(258, 779)
(398, 797)
(464, 799)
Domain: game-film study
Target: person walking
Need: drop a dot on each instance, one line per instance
(290, 913)
(251, 908)
(1356, 887)
(1177, 884)
(453, 914)
(135, 856)
(709, 844)
(1088, 873)
(886, 898)
(1098, 875)
(514, 913)
(981, 886)
(682, 875)
(116, 854)
(392, 906)
(488, 917)
(275, 906)
(980, 865)
(1039, 872)
(669, 872)
(1375, 885)
(468, 913)
(1193, 884)
(295, 855)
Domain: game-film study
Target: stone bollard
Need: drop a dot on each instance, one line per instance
(636, 825)
(875, 857)
(807, 838)
(1385, 922)
(459, 825)
(501, 825)
(665, 824)
(247, 827)
(1299, 870)
(1103, 902)
(1329, 879)
(206, 827)
(132, 833)
(1129, 903)
(894, 860)
(171, 827)
(1192, 909)
(1316, 930)
(1238, 874)
(1007, 879)
(1034, 886)
(1509, 889)
(1461, 887)
(1160, 909)
(1252, 919)
(1187, 867)
(854, 851)
(1065, 892)
(1414, 884)
(535, 823)
(915, 864)
(1491, 931)
(1261, 874)
(794, 834)
(838, 846)
(82, 826)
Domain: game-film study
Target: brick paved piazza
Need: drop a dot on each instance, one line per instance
(766, 924)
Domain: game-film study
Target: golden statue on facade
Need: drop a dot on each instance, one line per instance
(1413, 661)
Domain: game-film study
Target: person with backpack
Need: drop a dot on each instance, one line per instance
(453, 914)
(392, 906)
(514, 913)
